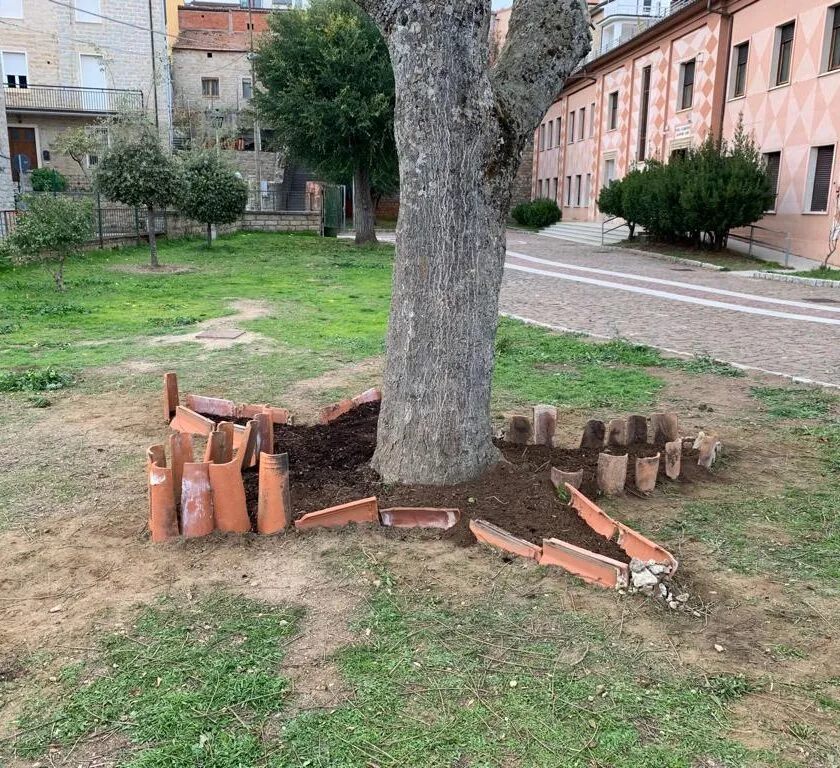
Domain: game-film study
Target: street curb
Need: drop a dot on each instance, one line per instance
(812, 281)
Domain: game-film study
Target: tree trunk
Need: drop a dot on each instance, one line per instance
(150, 230)
(209, 235)
(460, 129)
(58, 275)
(363, 209)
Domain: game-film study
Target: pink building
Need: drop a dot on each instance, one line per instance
(663, 74)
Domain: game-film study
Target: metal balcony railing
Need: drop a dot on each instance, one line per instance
(67, 98)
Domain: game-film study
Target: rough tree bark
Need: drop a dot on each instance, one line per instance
(150, 230)
(460, 125)
(363, 210)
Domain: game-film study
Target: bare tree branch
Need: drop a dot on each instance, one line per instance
(546, 40)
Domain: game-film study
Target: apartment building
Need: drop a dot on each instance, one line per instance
(673, 72)
(70, 63)
(211, 71)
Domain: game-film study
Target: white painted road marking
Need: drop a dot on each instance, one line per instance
(673, 283)
(673, 296)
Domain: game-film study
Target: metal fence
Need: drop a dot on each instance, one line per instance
(66, 98)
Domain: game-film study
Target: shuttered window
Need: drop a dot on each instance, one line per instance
(687, 84)
(834, 45)
(739, 84)
(773, 161)
(784, 52)
(823, 161)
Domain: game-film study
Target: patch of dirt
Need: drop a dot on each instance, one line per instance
(246, 309)
(328, 465)
(147, 269)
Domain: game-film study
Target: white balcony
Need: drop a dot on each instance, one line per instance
(655, 8)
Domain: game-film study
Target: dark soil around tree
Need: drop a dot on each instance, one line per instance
(329, 465)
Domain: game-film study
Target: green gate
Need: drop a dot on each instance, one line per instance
(332, 210)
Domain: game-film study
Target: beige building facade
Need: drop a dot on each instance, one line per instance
(71, 64)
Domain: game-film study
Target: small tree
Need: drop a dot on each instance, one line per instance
(328, 91)
(51, 228)
(610, 199)
(213, 192)
(47, 180)
(136, 171)
(78, 144)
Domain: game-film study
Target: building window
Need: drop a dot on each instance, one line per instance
(612, 111)
(11, 9)
(773, 163)
(577, 190)
(571, 125)
(88, 11)
(209, 86)
(739, 70)
(644, 108)
(587, 189)
(833, 39)
(568, 191)
(687, 84)
(609, 171)
(582, 123)
(679, 154)
(591, 119)
(559, 134)
(246, 88)
(550, 134)
(542, 138)
(15, 69)
(553, 193)
(819, 178)
(783, 53)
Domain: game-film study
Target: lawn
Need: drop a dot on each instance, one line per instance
(819, 273)
(357, 648)
(727, 258)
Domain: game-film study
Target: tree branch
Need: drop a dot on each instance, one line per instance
(546, 40)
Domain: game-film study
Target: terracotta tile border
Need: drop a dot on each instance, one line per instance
(589, 566)
(419, 517)
(361, 511)
(497, 537)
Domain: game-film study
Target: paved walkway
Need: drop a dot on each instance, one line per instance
(778, 327)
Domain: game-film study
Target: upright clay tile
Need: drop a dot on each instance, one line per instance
(264, 430)
(274, 505)
(593, 434)
(181, 451)
(170, 395)
(612, 473)
(196, 500)
(163, 518)
(545, 424)
(636, 429)
(559, 478)
(230, 510)
(647, 468)
(617, 433)
(673, 458)
(518, 430)
(666, 427)
(214, 452)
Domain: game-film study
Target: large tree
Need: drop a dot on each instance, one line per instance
(327, 88)
(461, 124)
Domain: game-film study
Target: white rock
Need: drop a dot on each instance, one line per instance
(637, 566)
(719, 648)
(644, 579)
(658, 568)
(683, 598)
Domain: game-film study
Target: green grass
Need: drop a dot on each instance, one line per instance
(189, 685)
(819, 273)
(328, 306)
(794, 402)
(431, 686)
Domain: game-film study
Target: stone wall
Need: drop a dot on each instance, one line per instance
(251, 221)
(7, 198)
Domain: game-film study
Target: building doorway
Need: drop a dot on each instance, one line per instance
(23, 149)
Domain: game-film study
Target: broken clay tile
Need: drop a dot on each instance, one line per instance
(593, 434)
(636, 545)
(647, 468)
(214, 451)
(279, 415)
(196, 500)
(156, 455)
(612, 473)
(214, 406)
(419, 517)
(372, 395)
(332, 412)
(589, 566)
(361, 511)
(666, 427)
(163, 517)
(617, 433)
(710, 448)
(490, 534)
(248, 411)
(245, 447)
(181, 451)
(187, 420)
(673, 458)
(559, 478)
(264, 430)
(636, 429)
(170, 395)
(518, 430)
(230, 511)
(227, 429)
(545, 424)
(595, 517)
(274, 504)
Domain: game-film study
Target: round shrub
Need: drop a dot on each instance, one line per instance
(47, 180)
(539, 213)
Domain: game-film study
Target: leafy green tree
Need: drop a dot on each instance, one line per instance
(328, 92)
(49, 229)
(136, 171)
(610, 198)
(213, 192)
(77, 144)
(47, 180)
